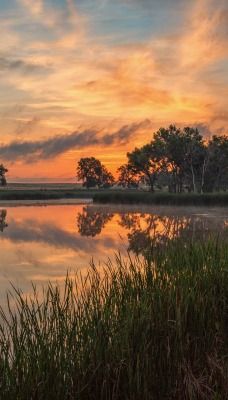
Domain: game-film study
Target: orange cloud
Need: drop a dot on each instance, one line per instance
(69, 78)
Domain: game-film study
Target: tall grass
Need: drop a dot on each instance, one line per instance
(134, 197)
(148, 329)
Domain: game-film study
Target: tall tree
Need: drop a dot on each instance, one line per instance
(216, 174)
(182, 152)
(145, 164)
(93, 173)
(195, 154)
(170, 143)
(3, 172)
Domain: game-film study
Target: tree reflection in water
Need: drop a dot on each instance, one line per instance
(3, 223)
(159, 230)
(145, 229)
(91, 223)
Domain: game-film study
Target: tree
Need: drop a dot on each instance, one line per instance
(216, 173)
(93, 173)
(106, 178)
(143, 165)
(3, 171)
(183, 154)
(127, 177)
(195, 154)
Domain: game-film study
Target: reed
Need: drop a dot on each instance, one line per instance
(135, 197)
(151, 328)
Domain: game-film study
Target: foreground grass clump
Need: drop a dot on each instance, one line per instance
(151, 329)
(134, 197)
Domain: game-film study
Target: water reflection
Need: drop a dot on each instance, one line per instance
(3, 223)
(91, 223)
(41, 243)
(146, 229)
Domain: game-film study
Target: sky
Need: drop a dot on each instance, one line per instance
(82, 78)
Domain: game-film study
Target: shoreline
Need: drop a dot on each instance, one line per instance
(42, 203)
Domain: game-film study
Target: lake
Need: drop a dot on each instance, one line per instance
(41, 243)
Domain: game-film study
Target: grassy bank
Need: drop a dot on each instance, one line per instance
(116, 196)
(44, 194)
(134, 197)
(155, 329)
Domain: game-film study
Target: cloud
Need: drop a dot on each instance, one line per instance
(220, 117)
(57, 17)
(208, 130)
(32, 151)
(204, 129)
(7, 64)
(10, 111)
(204, 43)
(163, 74)
(31, 231)
(35, 7)
(26, 126)
(124, 134)
(70, 66)
(156, 4)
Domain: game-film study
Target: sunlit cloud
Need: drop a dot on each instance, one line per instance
(67, 65)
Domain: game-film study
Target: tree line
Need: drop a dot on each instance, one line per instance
(176, 159)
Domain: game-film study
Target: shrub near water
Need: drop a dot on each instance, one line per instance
(151, 329)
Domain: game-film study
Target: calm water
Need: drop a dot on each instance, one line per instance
(40, 243)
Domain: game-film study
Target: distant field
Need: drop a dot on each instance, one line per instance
(44, 191)
(43, 186)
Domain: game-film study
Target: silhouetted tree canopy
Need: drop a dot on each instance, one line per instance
(91, 223)
(3, 171)
(145, 163)
(127, 176)
(93, 173)
(216, 169)
(179, 159)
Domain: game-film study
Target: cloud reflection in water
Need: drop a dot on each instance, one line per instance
(42, 243)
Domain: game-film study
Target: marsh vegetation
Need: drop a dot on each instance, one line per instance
(124, 196)
(151, 328)
(184, 199)
(149, 323)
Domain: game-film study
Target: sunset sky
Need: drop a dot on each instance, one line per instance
(96, 78)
